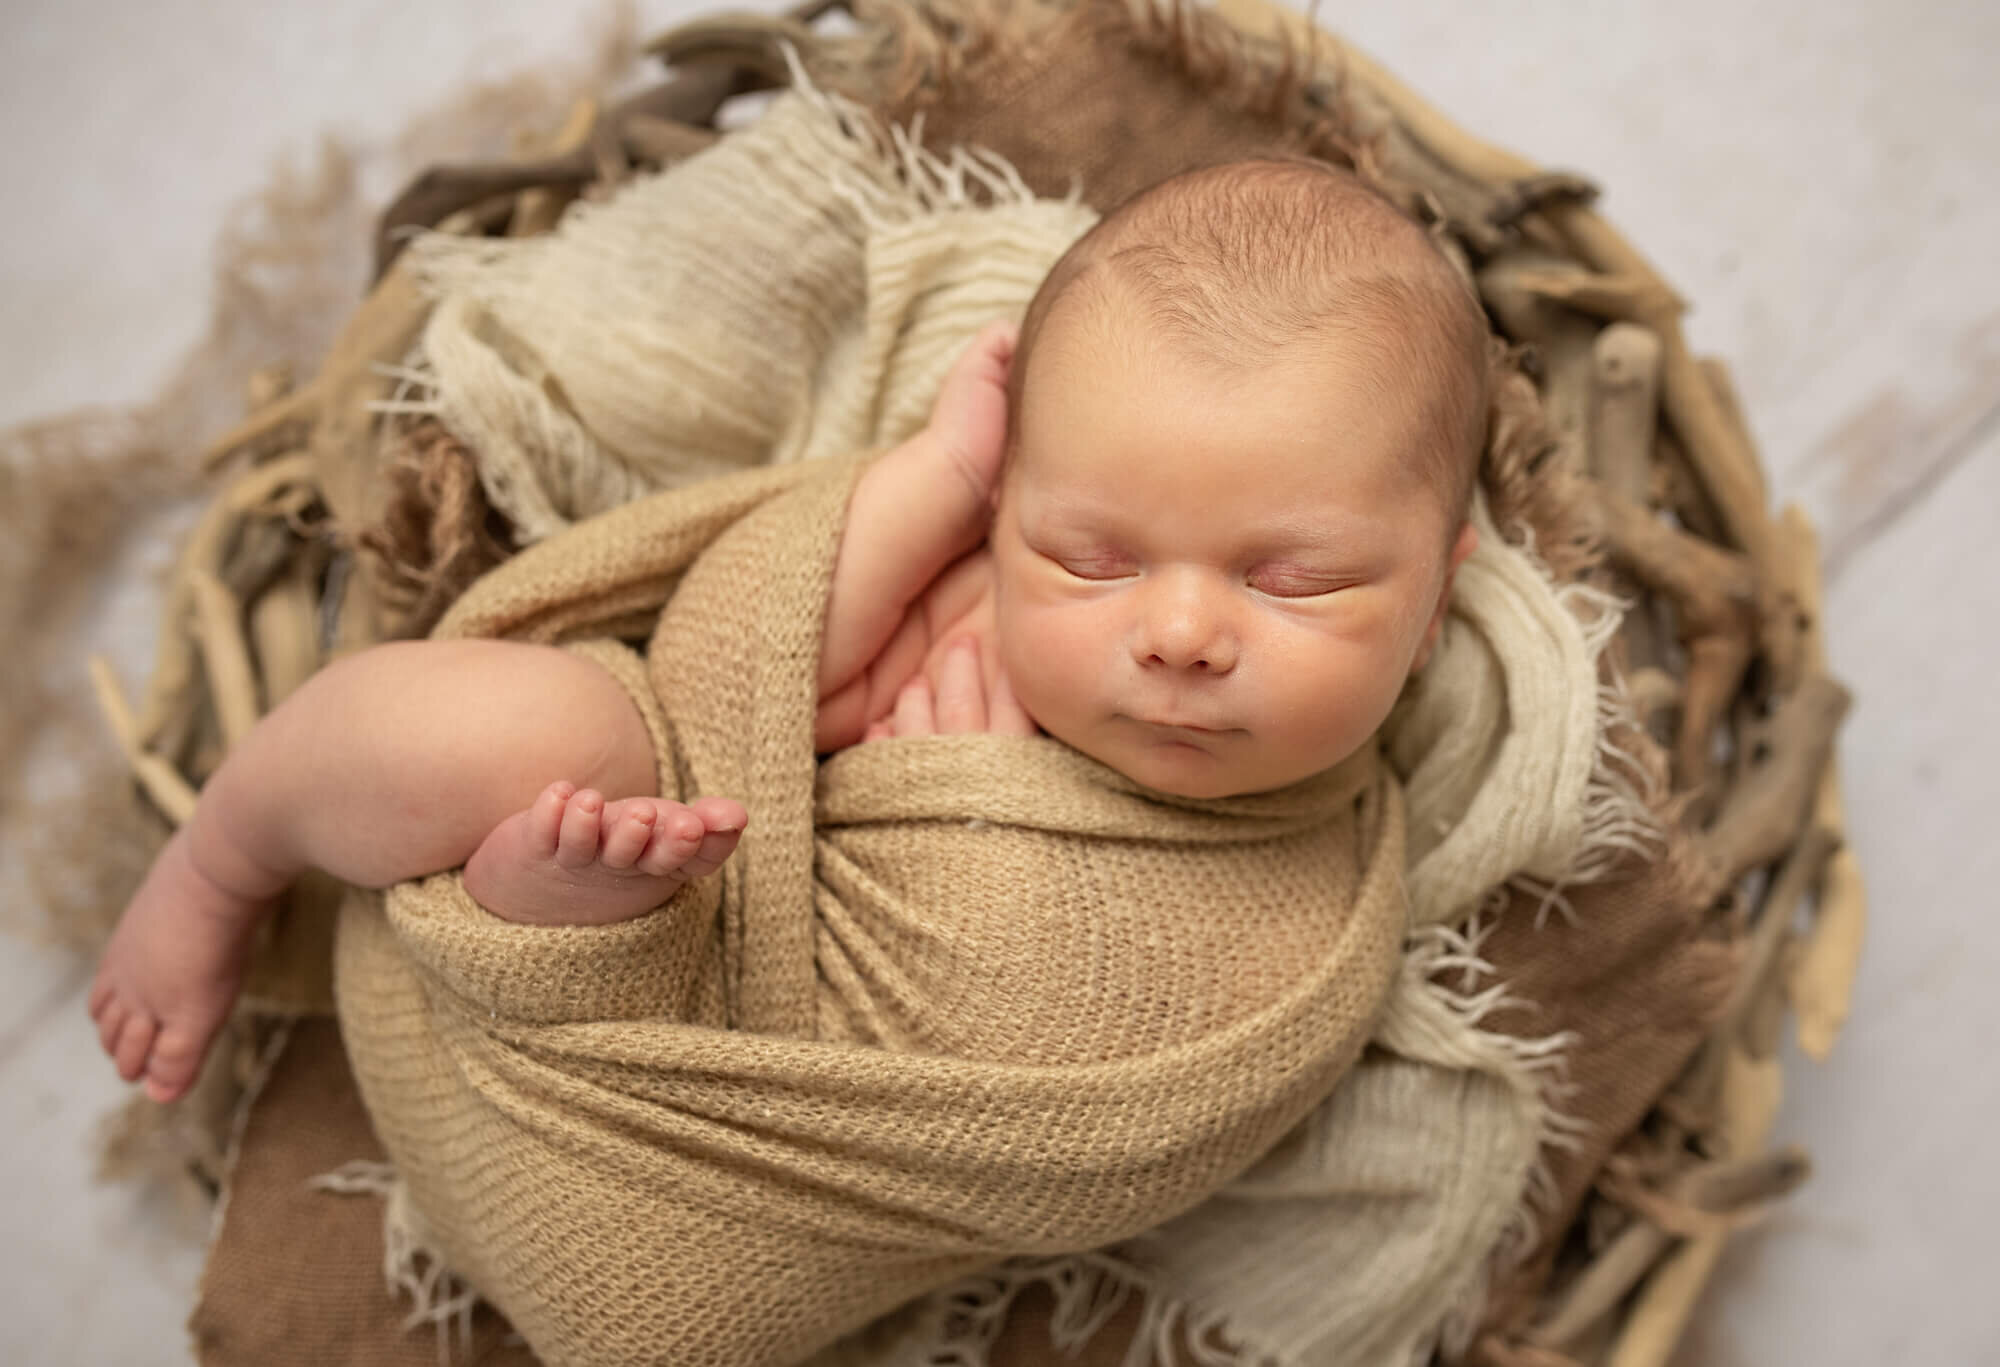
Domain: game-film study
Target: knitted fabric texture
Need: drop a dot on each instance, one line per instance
(952, 1000)
(1499, 741)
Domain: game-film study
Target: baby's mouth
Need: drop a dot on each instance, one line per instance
(1177, 730)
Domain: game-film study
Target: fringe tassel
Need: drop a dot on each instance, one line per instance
(411, 1264)
(1089, 1289)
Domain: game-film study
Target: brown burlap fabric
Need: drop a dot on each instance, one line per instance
(1639, 973)
(294, 1275)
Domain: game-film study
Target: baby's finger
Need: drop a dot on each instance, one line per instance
(961, 697)
(1005, 715)
(995, 346)
(878, 731)
(913, 715)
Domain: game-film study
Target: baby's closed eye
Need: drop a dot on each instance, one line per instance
(1097, 565)
(1296, 581)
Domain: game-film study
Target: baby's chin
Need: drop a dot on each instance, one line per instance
(1196, 771)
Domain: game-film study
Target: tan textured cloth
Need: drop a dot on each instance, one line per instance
(1101, 1003)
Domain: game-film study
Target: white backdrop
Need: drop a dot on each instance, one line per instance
(1818, 178)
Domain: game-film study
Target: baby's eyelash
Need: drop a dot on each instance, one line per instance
(1088, 566)
(1096, 569)
(1282, 585)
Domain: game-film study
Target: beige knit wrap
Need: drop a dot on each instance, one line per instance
(987, 996)
(794, 293)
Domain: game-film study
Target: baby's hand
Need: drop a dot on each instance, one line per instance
(961, 703)
(969, 420)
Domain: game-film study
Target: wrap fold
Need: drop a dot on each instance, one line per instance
(953, 999)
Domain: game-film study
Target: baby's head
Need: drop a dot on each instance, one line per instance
(1247, 411)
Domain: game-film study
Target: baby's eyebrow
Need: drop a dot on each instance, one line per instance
(1318, 533)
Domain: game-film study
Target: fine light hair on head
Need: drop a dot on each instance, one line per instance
(1249, 260)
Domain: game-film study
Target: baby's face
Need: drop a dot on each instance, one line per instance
(1215, 583)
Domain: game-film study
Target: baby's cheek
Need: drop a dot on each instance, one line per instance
(1045, 654)
(1332, 698)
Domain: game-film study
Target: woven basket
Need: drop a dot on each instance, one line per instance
(344, 525)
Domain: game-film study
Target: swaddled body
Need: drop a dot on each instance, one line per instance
(956, 996)
(632, 1183)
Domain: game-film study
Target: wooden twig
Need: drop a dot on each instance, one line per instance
(1715, 599)
(537, 208)
(264, 546)
(282, 628)
(1612, 298)
(380, 330)
(1625, 412)
(1652, 691)
(171, 686)
(663, 142)
(754, 42)
(172, 794)
(1563, 341)
(1676, 490)
(691, 95)
(1607, 1281)
(1765, 813)
(1706, 1197)
(1529, 194)
(253, 490)
(1820, 980)
(1751, 1092)
(1696, 1090)
(1756, 978)
(1723, 385)
(1732, 1185)
(218, 629)
(1624, 424)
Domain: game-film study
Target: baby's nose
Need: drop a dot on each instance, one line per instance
(1182, 628)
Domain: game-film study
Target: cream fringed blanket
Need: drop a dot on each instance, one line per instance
(1098, 1004)
(635, 349)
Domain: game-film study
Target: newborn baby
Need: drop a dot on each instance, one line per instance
(1198, 522)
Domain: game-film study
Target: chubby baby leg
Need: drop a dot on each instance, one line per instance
(574, 859)
(398, 762)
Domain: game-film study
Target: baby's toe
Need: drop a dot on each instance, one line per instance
(721, 813)
(134, 1043)
(677, 834)
(545, 818)
(110, 1019)
(715, 847)
(171, 1067)
(582, 824)
(627, 829)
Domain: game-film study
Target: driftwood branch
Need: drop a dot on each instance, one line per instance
(232, 682)
(172, 794)
(1820, 980)
(1563, 342)
(663, 142)
(711, 69)
(1714, 593)
(1624, 425)
(1707, 1196)
(1765, 813)
(1751, 1091)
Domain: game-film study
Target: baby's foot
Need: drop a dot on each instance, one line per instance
(573, 859)
(171, 972)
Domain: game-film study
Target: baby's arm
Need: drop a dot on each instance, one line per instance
(914, 512)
